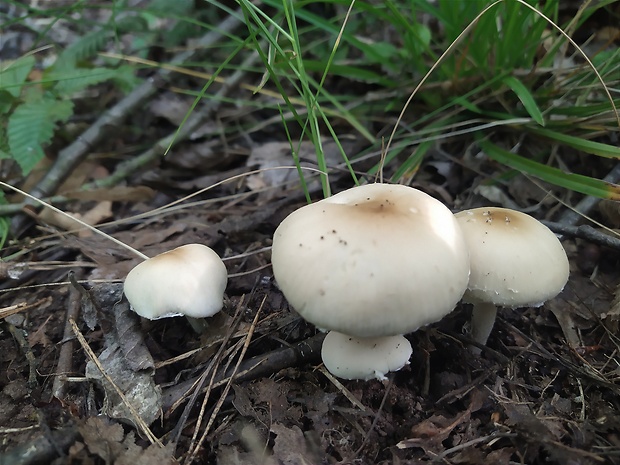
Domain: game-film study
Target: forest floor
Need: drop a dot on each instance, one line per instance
(530, 397)
(251, 389)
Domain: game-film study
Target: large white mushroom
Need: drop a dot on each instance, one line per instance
(189, 280)
(373, 261)
(515, 261)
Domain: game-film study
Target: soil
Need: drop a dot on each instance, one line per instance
(530, 397)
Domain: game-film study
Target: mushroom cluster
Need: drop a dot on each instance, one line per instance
(370, 264)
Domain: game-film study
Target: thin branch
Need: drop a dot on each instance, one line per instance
(585, 232)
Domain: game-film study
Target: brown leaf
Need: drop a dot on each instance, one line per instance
(152, 455)
(430, 433)
(139, 388)
(131, 339)
(102, 437)
(40, 336)
(114, 194)
(290, 446)
(100, 212)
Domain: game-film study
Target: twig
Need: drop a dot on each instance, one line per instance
(197, 387)
(65, 357)
(377, 416)
(488, 439)
(222, 398)
(586, 232)
(126, 168)
(304, 352)
(41, 449)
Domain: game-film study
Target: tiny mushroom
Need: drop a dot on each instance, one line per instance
(515, 261)
(371, 262)
(189, 280)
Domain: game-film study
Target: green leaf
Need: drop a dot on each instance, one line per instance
(575, 182)
(31, 125)
(13, 74)
(78, 79)
(81, 49)
(527, 99)
(6, 102)
(585, 145)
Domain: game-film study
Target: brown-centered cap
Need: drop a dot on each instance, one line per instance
(189, 280)
(515, 260)
(374, 260)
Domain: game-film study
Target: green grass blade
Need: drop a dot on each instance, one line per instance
(575, 182)
(587, 146)
(527, 99)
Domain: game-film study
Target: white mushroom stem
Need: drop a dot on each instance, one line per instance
(482, 321)
(349, 357)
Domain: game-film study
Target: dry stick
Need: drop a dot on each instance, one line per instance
(304, 352)
(75, 153)
(65, 357)
(585, 232)
(197, 386)
(134, 413)
(376, 419)
(195, 120)
(41, 449)
(220, 402)
(77, 220)
(207, 395)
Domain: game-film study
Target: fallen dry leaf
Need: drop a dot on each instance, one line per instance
(107, 440)
(430, 433)
(139, 387)
(291, 447)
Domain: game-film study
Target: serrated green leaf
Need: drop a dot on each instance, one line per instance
(78, 79)
(527, 99)
(84, 47)
(125, 78)
(13, 74)
(31, 125)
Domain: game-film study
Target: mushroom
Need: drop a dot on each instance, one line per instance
(189, 280)
(350, 357)
(515, 261)
(370, 262)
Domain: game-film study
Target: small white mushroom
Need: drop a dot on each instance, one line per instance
(189, 280)
(349, 357)
(372, 261)
(515, 261)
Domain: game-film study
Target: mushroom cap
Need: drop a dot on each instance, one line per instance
(374, 260)
(189, 280)
(515, 260)
(364, 358)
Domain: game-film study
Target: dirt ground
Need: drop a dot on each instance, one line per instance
(83, 380)
(530, 397)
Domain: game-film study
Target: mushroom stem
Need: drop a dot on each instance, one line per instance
(482, 321)
(199, 325)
